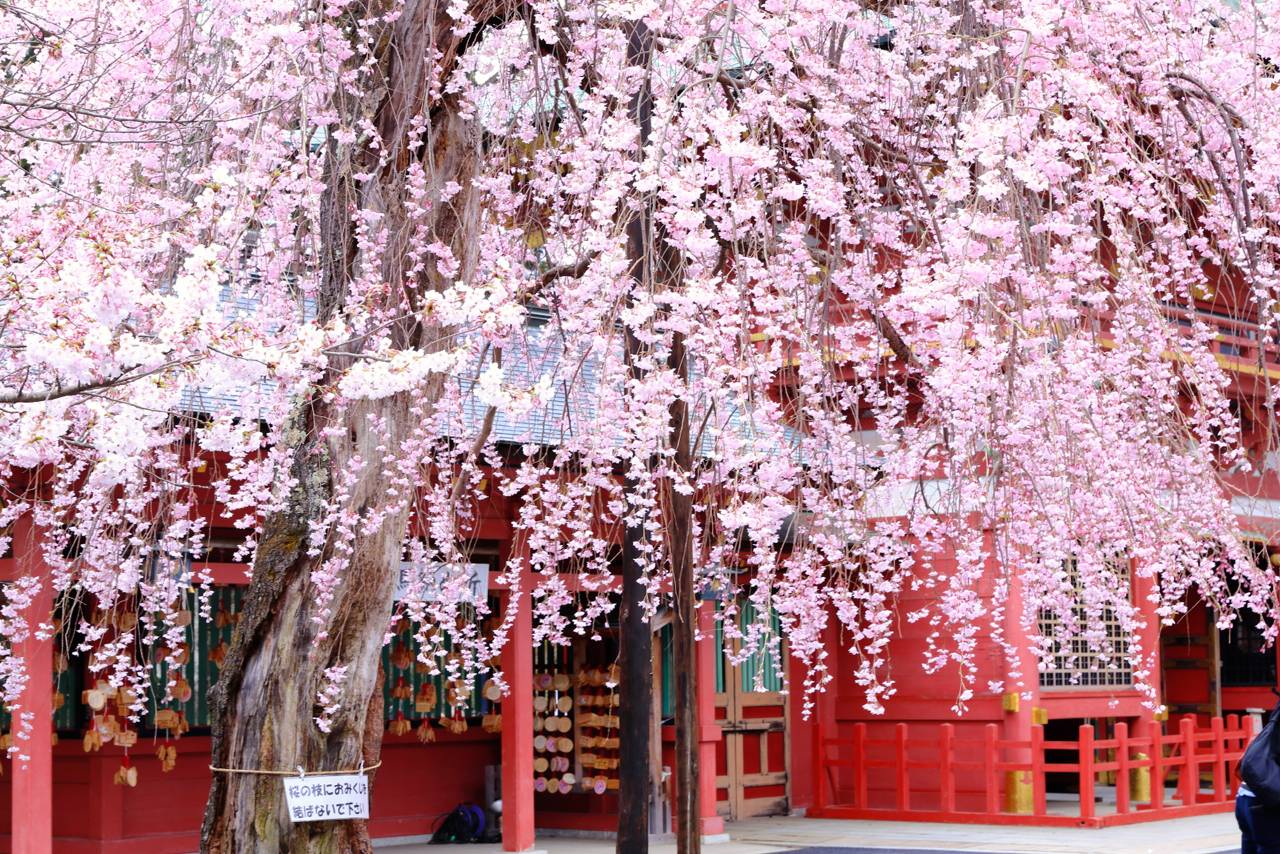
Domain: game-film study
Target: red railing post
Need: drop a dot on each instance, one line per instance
(1038, 806)
(1157, 765)
(1086, 771)
(946, 744)
(1219, 760)
(1122, 767)
(860, 766)
(900, 766)
(1246, 735)
(819, 767)
(1189, 782)
(989, 756)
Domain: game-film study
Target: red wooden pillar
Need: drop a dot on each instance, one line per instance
(814, 784)
(946, 768)
(517, 715)
(1019, 702)
(1038, 799)
(32, 785)
(817, 756)
(1149, 783)
(1219, 760)
(1238, 744)
(1189, 779)
(1157, 767)
(990, 756)
(1086, 773)
(1122, 767)
(902, 776)
(708, 731)
(1142, 589)
(860, 766)
(1146, 734)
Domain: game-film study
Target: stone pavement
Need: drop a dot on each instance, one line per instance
(1214, 834)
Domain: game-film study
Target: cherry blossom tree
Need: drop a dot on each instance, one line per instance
(790, 299)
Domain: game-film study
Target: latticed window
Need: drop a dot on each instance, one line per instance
(1246, 658)
(1087, 660)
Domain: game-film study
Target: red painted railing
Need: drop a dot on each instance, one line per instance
(1240, 343)
(1237, 339)
(939, 777)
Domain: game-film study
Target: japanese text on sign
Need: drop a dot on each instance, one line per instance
(330, 798)
(471, 579)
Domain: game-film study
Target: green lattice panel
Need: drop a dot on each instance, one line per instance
(200, 671)
(67, 718)
(476, 704)
(761, 664)
(666, 642)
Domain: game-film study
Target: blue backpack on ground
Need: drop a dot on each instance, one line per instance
(465, 824)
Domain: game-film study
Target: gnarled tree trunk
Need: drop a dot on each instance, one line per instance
(263, 708)
(265, 702)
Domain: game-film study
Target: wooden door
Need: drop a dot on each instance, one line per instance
(753, 713)
(1189, 665)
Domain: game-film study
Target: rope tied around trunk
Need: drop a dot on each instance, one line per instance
(297, 772)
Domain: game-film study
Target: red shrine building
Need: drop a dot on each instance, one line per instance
(1078, 749)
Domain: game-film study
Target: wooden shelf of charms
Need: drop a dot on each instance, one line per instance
(575, 721)
(597, 728)
(553, 741)
(406, 670)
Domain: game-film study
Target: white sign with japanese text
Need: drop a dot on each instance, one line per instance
(437, 575)
(333, 797)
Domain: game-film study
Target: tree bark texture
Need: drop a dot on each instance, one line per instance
(680, 546)
(264, 704)
(636, 642)
(265, 701)
(636, 689)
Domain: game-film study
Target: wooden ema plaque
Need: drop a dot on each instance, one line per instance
(554, 736)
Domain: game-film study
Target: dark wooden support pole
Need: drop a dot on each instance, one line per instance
(636, 654)
(636, 666)
(680, 543)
